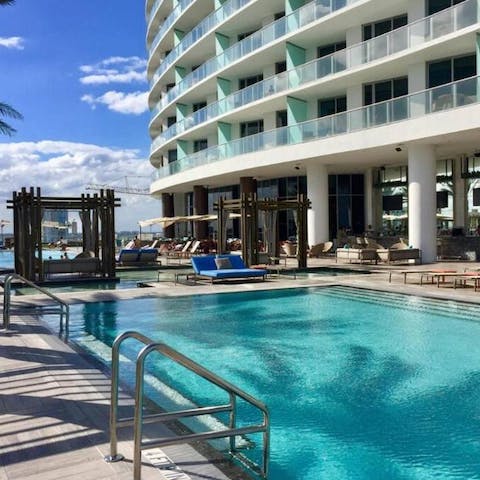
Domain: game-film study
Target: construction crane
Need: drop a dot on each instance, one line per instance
(119, 189)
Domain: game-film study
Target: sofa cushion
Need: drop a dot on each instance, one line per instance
(223, 263)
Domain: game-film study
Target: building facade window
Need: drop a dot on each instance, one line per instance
(198, 106)
(346, 196)
(385, 90)
(200, 144)
(247, 81)
(325, 50)
(451, 70)
(434, 6)
(251, 128)
(171, 121)
(330, 106)
(172, 155)
(376, 29)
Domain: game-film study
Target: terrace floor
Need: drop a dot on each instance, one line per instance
(54, 402)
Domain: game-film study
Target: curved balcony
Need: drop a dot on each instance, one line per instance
(169, 21)
(414, 34)
(301, 17)
(445, 97)
(202, 28)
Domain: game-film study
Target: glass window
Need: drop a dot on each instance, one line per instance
(281, 118)
(434, 6)
(280, 67)
(198, 106)
(171, 121)
(251, 128)
(452, 69)
(386, 90)
(331, 106)
(329, 49)
(201, 144)
(383, 26)
(172, 156)
(247, 81)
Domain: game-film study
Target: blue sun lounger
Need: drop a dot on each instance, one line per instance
(221, 267)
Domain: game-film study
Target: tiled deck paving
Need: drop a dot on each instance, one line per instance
(54, 403)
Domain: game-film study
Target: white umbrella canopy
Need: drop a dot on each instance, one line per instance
(167, 221)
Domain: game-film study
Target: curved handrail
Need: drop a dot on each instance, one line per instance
(139, 418)
(7, 293)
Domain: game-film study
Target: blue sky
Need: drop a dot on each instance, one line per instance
(76, 71)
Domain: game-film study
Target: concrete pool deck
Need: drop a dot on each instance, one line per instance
(54, 401)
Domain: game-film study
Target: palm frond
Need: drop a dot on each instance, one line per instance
(4, 3)
(8, 111)
(6, 129)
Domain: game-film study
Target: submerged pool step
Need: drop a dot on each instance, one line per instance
(398, 300)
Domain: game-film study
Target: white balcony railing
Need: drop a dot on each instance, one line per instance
(453, 95)
(414, 34)
(274, 31)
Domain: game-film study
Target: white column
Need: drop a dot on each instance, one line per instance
(317, 193)
(369, 213)
(422, 200)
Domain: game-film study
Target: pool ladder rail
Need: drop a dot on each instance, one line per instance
(62, 307)
(139, 419)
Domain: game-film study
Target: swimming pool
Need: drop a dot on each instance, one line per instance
(360, 384)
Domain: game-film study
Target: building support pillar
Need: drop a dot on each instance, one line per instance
(317, 193)
(369, 198)
(200, 207)
(422, 200)
(168, 211)
(248, 185)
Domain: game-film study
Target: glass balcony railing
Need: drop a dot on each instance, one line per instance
(207, 24)
(413, 34)
(174, 14)
(445, 97)
(275, 30)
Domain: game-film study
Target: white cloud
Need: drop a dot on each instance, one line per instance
(128, 103)
(12, 42)
(125, 70)
(66, 168)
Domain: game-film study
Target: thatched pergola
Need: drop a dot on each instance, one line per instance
(97, 213)
(248, 206)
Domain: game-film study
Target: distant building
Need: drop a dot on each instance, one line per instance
(369, 107)
(54, 223)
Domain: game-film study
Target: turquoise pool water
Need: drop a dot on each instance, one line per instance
(360, 385)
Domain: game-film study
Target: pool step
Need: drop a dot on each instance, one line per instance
(398, 300)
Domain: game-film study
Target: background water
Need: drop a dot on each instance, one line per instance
(360, 385)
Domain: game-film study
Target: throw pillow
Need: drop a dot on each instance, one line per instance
(223, 263)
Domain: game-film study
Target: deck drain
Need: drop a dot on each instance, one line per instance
(160, 460)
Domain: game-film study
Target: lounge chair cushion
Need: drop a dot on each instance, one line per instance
(223, 263)
(207, 267)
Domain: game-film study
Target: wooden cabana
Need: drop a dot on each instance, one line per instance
(249, 206)
(97, 214)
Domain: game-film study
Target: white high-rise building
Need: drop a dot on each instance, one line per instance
(370, 107)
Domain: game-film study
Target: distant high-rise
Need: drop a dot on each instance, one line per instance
(54, 223)
(348, 101)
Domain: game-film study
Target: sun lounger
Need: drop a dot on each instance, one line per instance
(463, 278)
(439, 276)
(224, 267)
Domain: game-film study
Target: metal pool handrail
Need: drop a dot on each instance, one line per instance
(7, 295)
(139, 419)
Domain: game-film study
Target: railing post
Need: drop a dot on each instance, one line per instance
(233, 420)
(6, 302)
(138, 415)
(114, 455)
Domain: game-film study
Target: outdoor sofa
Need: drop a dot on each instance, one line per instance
(74, 265)
(221, 267)
(137, 256)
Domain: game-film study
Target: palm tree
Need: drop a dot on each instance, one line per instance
(7, 110)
